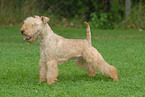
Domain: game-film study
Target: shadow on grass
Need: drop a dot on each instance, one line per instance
(20, 77)
(83, 77)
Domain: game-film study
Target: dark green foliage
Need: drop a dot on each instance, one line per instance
(103, 14)
(100, 21)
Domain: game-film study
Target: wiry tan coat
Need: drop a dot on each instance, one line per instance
(55, 50)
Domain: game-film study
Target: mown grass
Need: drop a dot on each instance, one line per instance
(19, 70)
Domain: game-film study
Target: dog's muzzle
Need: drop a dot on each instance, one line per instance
(26, 37)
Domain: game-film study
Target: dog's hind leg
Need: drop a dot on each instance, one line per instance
(95, 60)
(81, 62)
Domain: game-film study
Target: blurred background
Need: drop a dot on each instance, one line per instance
(101, 14)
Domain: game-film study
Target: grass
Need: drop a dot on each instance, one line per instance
(19, 70)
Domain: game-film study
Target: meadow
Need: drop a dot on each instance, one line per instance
(19, 69)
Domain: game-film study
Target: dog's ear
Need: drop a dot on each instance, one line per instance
(44, 19)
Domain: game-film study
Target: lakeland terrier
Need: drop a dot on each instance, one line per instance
(55, 50)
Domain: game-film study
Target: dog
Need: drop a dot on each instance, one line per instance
(55, 50)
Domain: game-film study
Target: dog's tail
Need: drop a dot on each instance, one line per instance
(88, 32)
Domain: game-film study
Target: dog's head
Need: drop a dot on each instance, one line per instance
(32, 27)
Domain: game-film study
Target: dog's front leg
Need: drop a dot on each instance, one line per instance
(52, 71)
(42, 70)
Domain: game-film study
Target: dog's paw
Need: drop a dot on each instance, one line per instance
(51, 82)
(42, 80)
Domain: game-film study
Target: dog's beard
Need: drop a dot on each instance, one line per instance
(27, 38)
(31, 38)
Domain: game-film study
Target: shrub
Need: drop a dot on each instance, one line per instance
(100, 21)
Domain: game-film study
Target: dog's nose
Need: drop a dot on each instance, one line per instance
(22, 31)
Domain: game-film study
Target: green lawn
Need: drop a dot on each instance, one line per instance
(19, 70)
